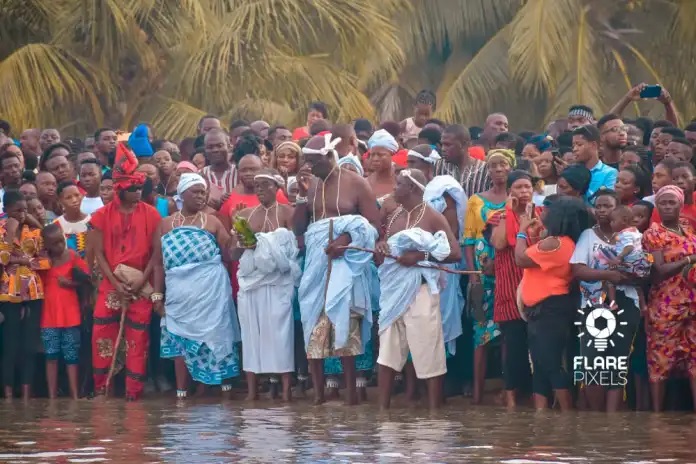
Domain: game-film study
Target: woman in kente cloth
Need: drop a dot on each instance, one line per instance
(364, 363)
(122, 237)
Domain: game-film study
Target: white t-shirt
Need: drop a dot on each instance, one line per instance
(90, 205)
(74, 227)
(586, 253)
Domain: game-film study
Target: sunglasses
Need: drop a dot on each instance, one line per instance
(134, 188)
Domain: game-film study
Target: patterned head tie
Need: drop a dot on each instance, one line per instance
(272, 177)
(329, 147)
(407, 173)
(432, 158)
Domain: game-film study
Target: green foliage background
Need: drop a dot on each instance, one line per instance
(81, 64)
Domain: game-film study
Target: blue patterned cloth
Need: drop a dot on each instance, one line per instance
(200, 361)
(62, 341)
(200, 324)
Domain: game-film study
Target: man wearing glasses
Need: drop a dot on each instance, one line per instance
(613, 139)
(122, 240)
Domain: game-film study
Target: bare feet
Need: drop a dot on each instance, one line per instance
(319, 400)
(252, 396)
(332, 394)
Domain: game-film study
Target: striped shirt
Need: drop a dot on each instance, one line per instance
(224, 183)
(474, 178)
(507, 278)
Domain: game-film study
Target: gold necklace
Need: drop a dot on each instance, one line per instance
(677, 231)
(600, 233)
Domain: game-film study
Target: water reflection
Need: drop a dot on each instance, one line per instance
(211, 432)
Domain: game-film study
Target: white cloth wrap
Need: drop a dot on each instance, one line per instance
(349, 285)
(399, 284)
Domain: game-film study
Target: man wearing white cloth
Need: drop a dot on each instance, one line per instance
(199, 322)
(334, 209)
(410, 318)
(267, 277)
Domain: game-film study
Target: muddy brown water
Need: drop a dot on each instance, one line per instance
(215, 431)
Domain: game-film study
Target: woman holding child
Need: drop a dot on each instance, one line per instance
(589, 269)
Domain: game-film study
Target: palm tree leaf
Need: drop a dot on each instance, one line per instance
(175, 118)
(433, 24)
(39, 80)
(540, 52)
(468, 92)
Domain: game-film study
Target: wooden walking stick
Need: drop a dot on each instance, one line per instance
(124, 308)
(424, 266)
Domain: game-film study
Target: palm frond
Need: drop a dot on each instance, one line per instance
(585, 84)
(38, 80)
(175, 118)
(433, 24)
(540, 52)
(468, 91)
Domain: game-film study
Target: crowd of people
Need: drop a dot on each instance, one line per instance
(336, 256)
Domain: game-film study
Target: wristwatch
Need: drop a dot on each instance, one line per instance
(155, 297)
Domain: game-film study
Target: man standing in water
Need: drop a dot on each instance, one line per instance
(410, 317)
(123, 246)
(334, 290)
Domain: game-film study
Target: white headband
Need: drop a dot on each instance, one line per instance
(188, 180)
(407, 173)
(275, 178)
(329, 147)
(432, 158)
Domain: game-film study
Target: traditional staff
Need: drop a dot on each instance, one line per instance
(424, 266)
(119, 338)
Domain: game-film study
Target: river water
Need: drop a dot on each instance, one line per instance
(212, 431)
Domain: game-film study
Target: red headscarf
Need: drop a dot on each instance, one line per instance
(124, 172)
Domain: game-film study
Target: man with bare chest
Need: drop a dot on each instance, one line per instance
(335, 208)
(410, 317)
(268, 273)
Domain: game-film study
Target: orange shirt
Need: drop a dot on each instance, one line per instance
(61, 306)
(477, 152)
(552, 277)
(300, 133)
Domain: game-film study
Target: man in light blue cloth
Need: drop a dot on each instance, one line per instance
(586, 151)
(334, 208)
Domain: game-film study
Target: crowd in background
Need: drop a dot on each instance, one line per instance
(340, 255)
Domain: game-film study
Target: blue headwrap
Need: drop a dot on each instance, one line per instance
(353, 161)
(382, 138)
(139, 142)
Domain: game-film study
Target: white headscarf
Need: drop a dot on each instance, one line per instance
(382, 138)
(188, 180)
(353, 161)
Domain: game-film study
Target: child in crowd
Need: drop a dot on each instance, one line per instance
(61, 316)
(626, 253)
(106, 188)
(642, 211)
(36, 209)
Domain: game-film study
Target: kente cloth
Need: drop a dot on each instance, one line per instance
(348, 289)
(203, 317)
(452, 296)
(267, 278)
(399, 284)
